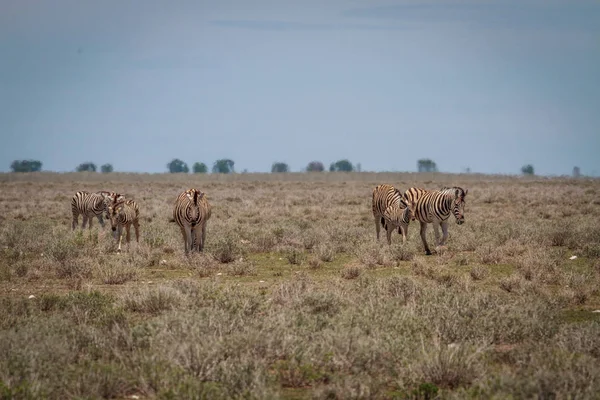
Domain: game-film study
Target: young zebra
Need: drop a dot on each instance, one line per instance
(91, 205)
(124, 214)
(397, 217)
(388, 198)
(191, 212)
(435, 206)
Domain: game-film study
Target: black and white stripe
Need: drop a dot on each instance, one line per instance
(123, 214)
(434, 207)
(388, 199)
(191, 212)
(90, 205)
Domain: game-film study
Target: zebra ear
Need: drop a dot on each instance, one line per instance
(466, 191)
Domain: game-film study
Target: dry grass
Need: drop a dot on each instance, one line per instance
(294, 298)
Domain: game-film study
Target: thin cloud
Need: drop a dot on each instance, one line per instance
(270, 25)
(582, 16)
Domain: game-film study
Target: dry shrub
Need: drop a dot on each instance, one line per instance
(479, 272)
(372, 254)
(152, 300)
(203, 264)
(241, 268)
(295, 256)
(351, 272)
(490, 255)
(403, 287)
(227, 249)
(325, 252)
(314, 262)
(451, 366)
(116, 273)
(400, 253)
(512, 283)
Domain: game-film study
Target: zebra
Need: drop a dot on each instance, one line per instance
(395, 216)
(124, 213)
(191, 212)
(435, 206)
(92, 204)
(388, 198)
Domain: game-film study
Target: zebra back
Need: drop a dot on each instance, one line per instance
(124, 211)
(191, 208)
(87, 203)
(385, 196)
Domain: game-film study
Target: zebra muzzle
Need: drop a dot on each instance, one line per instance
(114, 228)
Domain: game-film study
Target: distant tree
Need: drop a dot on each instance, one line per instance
(576, 172)
(26, 166)
(315, 166)
(426, 165)
(106, 168)
(223, 166)
(199, 168)
(527, 169)
(341, 165)
(86, 166)
(177, 166)
(279, 167)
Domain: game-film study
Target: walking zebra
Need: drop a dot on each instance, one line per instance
(191, 212)
(91, 205)
(388, 200)
(397, 217)
(124, 214)
(435, 206)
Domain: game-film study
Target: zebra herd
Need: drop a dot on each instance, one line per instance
(191, 212)
(392, 210)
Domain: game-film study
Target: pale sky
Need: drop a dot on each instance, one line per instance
(490, 85)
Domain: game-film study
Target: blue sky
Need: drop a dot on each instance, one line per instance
(489, 85)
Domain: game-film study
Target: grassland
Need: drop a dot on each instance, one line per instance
(294, 298)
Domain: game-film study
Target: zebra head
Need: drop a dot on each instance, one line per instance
(458, 205)
(110, 198)
(114, 211)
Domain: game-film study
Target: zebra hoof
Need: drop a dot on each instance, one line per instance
(428, 253)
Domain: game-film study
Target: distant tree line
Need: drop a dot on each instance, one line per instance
(226, 166)
(26, 166)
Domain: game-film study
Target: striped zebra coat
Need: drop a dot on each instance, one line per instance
(434, 207)
(191, 212)
(123, 214)
(90, 205)
(387, 200)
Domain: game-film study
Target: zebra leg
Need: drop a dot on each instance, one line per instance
(75, 221)
(120, 234)
(100, 220)
(127, 229)
(424, 238)
(436, 231)
(377, 227)
(388, 233)
(403, 228)
(203, 238)
(188, 239)
(136, 226)
(84, 222)
(444, 233)
(184, 238)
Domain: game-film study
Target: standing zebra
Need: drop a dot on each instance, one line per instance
(397, 217)
(435, 206)
(388, 199)
(191, 212)
(91, 205)
(124, 214)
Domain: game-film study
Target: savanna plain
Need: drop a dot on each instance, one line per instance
(294, 298)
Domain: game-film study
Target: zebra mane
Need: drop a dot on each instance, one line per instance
(453, 190)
